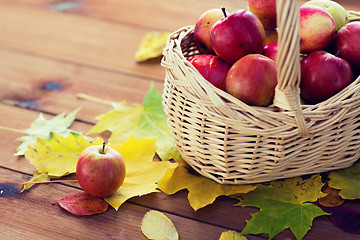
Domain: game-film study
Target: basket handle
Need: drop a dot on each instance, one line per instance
(287, 92)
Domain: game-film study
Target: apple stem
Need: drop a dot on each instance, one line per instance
(103, 149)
(223, 10)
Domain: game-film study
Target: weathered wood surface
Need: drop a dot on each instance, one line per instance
(52, 50)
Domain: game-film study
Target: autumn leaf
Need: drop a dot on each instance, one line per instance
(283, 204)
(147, 120)
(151, 46)
(202, 191)
(56, 155)
(42, 127)
(347, 180)
(332, 199)
(155, 225)
(37, 177)
(232, 235)
(82, 204)
(142, 173)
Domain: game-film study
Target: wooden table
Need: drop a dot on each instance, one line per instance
(51, 51)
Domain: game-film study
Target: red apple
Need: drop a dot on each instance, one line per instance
(347, 44)
(317, 28)
(212, 68)
(100, 170)
(265, 10)
(323, 75)
(236, 35)
(271, 50)
(253, 79)
(202, 29)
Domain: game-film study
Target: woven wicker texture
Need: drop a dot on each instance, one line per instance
(232, 143)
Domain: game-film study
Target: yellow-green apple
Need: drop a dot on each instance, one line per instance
(317, 28)
(323, 75)
(253, 79)
(236, 35)
(265, 10)
(347, 45)
(212, 68)
(338, 12)
(271, 50)
(202, 29)
(271, 36)
(100, 170)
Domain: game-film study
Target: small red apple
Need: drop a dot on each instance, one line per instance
(212, 68)
(323, 75)
(271, 50)
(202, 29)
(347, 44)
(100, 170)
(265, 10)
(317, 28)
(236, 35)
(253, 79)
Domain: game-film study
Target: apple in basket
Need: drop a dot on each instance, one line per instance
(323, 75)
(265, 10)
(347, 45)
(253, 79)
(236, 35)
(338, 12)
(317, 28)
(100, 170)
(271, 50)
(212, 68)
(202, 29)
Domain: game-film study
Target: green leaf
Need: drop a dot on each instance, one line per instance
(56, 155)
(147, 120)
(155, 225)
(347, 180)
(284, 204)
(232, 235)
(42, 127)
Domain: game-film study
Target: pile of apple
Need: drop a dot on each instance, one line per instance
(238, 50)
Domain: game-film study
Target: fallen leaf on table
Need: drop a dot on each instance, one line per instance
(57, 155)
(202, 191)
(151, 46)
(232, 235)
(82, 204)
(147, 120)
(142, 173)
(284, 204)
(332, 199)
(155, 225)
(347, 180)
(42, 127)
(37, 177)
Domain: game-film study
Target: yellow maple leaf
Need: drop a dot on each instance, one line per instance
(57, 156)
(142, 173)
(202, 191)
(232, 235)
(151, 46)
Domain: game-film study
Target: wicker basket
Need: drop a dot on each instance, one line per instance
(231, 142)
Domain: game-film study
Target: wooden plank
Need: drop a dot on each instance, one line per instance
(52, 86)
(35, 215)
(152, 15)
(74, 39)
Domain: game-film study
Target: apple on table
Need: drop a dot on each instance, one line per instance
(100, 170)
